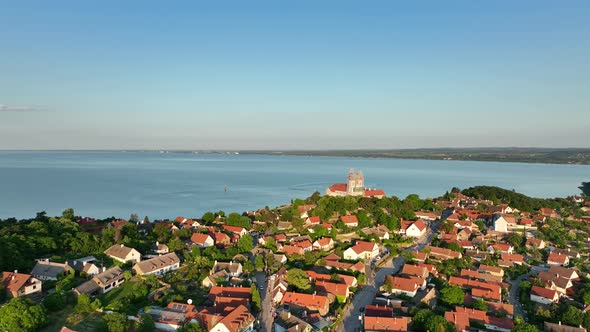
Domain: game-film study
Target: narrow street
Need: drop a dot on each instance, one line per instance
(513, 295)
(352, 313)
(266, 314)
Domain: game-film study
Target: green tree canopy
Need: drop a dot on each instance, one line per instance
(298, 279)
(585, 188)
(22, 315)
(245, 243)
(115, 322)
(452, 295)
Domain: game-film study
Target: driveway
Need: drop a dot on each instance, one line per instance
(352, 313)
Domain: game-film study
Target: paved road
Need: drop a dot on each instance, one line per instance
(266, 315)
(366, 295)
(513, 295)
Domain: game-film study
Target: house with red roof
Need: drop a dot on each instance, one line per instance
(362, 250)
(442, 253)
(549, 213)
(416, 229)
(544, 295)
(241, 231)
(202, 240)
(314, 220)
(304, 209)
(292, 250)
(415, 270)
(221, 238)
(350, 220)
(340, 291)
(20, 284)
(502, 248)
(405, 285)
(558, 259)
(306, 245)
(238, 320)
(311, 302)
(512, 258)
(324, 243)
(386, 324)
(532, 243)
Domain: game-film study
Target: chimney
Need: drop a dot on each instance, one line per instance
(289, 314)
(157, 243)
(559, 322)
(15, 271)
(122, 245)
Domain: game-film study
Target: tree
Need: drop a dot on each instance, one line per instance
(115, 322)
(191, 327)
(426, 320)
(452, 295)
(134, 218)
(208, 217)
(256, 300)
(55, 301)
(245, 243)
(521, 326)
(585, 188)
(298, 279)
(259, 262)
(480, 304)
(69, 214)
(146, 324)
(22, 315)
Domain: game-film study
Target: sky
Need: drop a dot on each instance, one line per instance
(294, 74)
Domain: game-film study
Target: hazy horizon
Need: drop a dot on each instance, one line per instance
(305, 75)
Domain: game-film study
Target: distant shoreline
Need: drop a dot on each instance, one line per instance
(571, 156)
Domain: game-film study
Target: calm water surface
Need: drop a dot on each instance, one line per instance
(104, 184)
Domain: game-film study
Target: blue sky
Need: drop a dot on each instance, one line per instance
(293, 75)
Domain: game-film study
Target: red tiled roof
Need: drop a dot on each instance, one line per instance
(512, 258)
(233, 229)
(332, 288)
(403, 284)
(459, 319)
(415, 270)
(313, 302)
(420, 225)
(374, 192)
(544, 292)
(338, 187)
(349, 219)
(13, 285)
(238, 319)
(378, 311)
(363, 246)
(332, 257)
(238, 292)
(485, 294)
(557, 258)
(325, 241)
(292, 250)
(303, 244)
(386, 324)
(199, 238)
(314, 220)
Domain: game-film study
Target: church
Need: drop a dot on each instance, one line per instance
(355, 186)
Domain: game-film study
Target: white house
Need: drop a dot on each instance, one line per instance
(362, 250)
(416, 229)
(158, 265)
(544, 295)
(123, 254)
(202, 240)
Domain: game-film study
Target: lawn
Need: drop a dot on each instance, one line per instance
(58, 319)
(117, 294)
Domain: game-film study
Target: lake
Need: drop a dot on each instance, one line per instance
(165, 185)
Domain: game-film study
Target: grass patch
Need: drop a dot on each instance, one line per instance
(57, 319)
(117, 294)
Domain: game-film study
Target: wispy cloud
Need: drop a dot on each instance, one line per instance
(7, 108)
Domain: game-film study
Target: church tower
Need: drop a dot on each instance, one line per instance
(355, 183)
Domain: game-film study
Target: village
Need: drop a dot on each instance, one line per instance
(352, 259)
